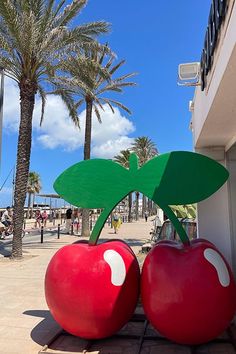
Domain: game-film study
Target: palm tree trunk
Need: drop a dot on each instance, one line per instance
(87, 152)
(144, 205)
(32, 207)
(150, 207)
(27, 96)
(130, 207)
(29, 203)
(137, 205)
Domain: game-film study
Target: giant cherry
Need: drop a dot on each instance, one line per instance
(92, 291)
(170, 290)
(188, 291)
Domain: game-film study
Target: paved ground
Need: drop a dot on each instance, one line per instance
(25, 322)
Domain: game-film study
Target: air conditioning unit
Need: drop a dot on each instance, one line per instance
(189, 71)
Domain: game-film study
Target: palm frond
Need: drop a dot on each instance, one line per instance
(79, 103)
(109, 87)
(49, 15)
(124, 77)
(110, 106)
(96, 110)
(58, 8)
(116, 103)
(10, 16)
(11, 67)
(42, 94)
(123, 158)
(123, 84)
(116, 67)
(69, 12)
(145, 148)
(67, 98)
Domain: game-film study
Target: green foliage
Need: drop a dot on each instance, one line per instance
(144, 148)
(34, 183)
(35, 35)
(90, 75)
(123, 158)
(184, 211)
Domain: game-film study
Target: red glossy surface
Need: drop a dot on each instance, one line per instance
(80, 294)
(182, 295)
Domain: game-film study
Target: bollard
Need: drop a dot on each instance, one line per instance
(42, 234)
(58, 230)
(111, 220)
(91, 225)
(72, 229)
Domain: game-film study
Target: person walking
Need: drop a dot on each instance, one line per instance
(146, 215)
(116, 222)
(68, 219)
(44, 218)
(38, 218)
(75, 220)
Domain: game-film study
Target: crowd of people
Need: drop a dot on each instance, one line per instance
(40, 218)
(72, 217)
(6, 225)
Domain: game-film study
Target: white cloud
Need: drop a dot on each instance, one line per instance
(11, 106)
(112, 147)
(58, 130)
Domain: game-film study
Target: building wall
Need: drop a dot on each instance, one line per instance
(231, 165)
(214, 134)
(213, 213)
(213, 118)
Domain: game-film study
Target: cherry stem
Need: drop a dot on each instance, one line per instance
(177, 224)
(133, 162)
(98, 227)
(133, 165)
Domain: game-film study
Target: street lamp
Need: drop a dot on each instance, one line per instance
(1, 110)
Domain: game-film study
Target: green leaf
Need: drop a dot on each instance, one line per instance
(180, 177)
(96, 183)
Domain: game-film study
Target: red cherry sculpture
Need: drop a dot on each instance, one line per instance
(92, 291)
(188, 291)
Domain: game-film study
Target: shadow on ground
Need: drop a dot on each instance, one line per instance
(49, 333)
(45, 330)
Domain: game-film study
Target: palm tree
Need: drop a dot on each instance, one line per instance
(123, 159)
(34, 37)
(33, 187)
(91, 76)
(145, 149)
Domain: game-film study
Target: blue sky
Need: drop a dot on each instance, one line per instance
(153, 38)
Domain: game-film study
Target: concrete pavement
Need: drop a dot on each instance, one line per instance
(25, 322)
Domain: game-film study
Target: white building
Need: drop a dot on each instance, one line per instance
(214, 124)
